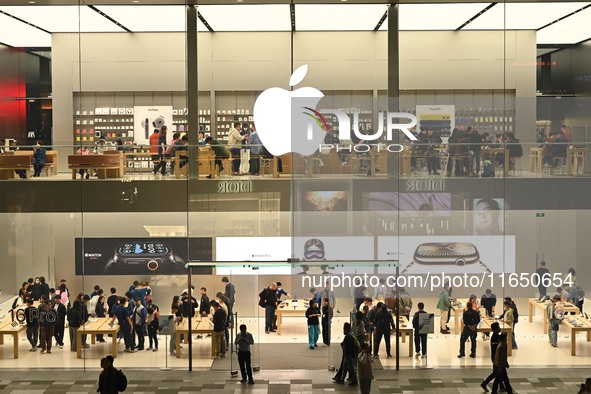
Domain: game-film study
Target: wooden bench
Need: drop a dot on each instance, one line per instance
(10, 163)
(106, 166)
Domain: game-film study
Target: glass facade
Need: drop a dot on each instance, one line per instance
(415, 145)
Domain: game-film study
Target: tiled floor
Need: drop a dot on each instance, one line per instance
(294, 381)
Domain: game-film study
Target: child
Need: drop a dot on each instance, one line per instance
(153, 323)
(364, 368)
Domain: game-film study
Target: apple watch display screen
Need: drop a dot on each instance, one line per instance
(143, 249)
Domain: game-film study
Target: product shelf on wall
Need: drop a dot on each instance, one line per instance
(226, 118)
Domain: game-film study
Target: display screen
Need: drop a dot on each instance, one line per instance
(410, 204)
(143, 249)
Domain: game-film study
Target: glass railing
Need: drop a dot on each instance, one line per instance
(424, 158)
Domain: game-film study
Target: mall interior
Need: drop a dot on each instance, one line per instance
(446, 144)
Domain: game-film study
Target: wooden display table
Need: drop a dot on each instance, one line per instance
(405, 328)
(6, 328)
(206, 162)
(577, 324)
(533, 304)
(106, 165)
(97, 326)
(51, 159)
(10, 163)
(573, 157)
(199, 325)
(290, 308)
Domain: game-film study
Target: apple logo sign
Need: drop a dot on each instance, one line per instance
(287, 121)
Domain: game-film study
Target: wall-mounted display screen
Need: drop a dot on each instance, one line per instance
(410, 204)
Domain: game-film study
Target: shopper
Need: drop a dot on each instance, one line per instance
(444, 305)
(32, 321)
(418, 322)
(47, 319)
(219, 327)
(112, 301)
(585, 387)
(281, 292)
(268, 300)
(153, 324)
(177, 319)
(220, 151)
(60, 323)
(161, 166)
(471, 319)
(327, 314)
(108, 382)
(204, 305)
(243, 341)
(358, 328)
(495, 339)
(139, 323)
(74, 323)
(501, 364)
(350, 351)
(404, 303)
(384, 323)
(230, 293)
(235, 143)
(554, 320)
(312, 314)
(364, 369)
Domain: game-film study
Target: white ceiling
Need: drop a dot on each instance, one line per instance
(309, 17)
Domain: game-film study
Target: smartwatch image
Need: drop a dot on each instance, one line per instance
(456, 254)
(147, 258)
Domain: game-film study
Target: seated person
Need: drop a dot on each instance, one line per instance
(220, 152)
(179, 145)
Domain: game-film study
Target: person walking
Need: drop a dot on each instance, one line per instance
(384, 324)
(32, 320)
(350, 350)
(501, 365)
(312, 314)
(495, 339)
(243, 341)
(417, 324)
(471, 319)
(108, 379)
(364, 369)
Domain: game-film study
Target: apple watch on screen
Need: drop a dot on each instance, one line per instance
(144, 257)
(446, 254)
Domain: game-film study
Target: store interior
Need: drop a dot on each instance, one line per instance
(76, 73)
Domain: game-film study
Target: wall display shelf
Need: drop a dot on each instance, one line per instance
(225, 119)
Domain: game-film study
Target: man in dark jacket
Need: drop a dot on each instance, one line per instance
(268, 300)
(384, 323)
(204, 305)
(107, 383)
(219, 328)
(495, 339)
(471, 319)
(350, 351)
(417, 324)
(60, 323)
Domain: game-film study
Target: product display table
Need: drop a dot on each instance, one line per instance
(6, 328)
(535, 160)
(405, 328)
(97, 326)
(534, 304)
(290, 308)
(577, 324)
(199, 325)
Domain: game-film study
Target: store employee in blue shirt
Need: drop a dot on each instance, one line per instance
(280, 291)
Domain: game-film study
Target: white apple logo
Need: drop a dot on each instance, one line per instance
(282, 119)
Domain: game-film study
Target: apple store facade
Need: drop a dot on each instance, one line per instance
(393, 150)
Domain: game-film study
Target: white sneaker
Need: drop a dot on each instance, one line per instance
(417, 355)
(424, 356)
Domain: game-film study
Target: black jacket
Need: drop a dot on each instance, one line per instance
(471, 317)
(205, 306)
(219, 320)
(61, 314)
(384, 321)
(269, 297)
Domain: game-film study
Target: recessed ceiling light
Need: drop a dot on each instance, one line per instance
(344, 0)
(135, 1)
(32, 2)
(239, 1)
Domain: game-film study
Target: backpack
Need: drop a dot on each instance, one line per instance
(262, 299)
(488, 170)
(121, 381)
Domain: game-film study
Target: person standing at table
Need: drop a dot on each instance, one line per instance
(60, 323)
(74, 323)
(219, 328)
(123, 318)
(161, 166)
(204, 305)
(243, 341)
(32, 320)
(47, 319)
(268, 300)
(139, 322)
(444, 305)
(420, 339)
(281, 292)
(471, 319)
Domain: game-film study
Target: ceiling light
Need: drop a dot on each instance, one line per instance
(32, 2)
(135, 1)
